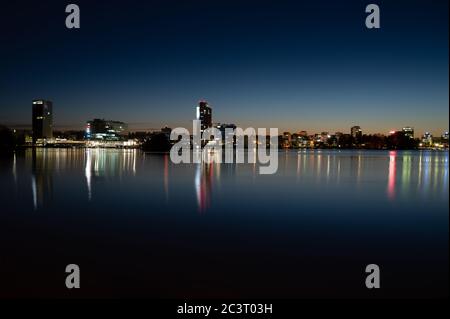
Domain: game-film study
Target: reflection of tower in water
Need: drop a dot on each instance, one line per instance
(203, 181)
(105, 164)
(392, 174)
(204, 175)
(166, 176)
(41, 177)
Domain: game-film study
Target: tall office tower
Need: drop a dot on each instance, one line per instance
(408, 131)
(204, 114)
(356, 133)
(42, 119)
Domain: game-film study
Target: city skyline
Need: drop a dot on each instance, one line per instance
(294, 66)
(226, 157)
(204, 104)
(100, 131)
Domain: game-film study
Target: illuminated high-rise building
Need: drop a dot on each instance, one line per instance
(204, 115)
(42, 119)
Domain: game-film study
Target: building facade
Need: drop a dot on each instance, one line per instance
(102, 130)
(408, 131)
(427, 139)
(356, 134)
(204, 115)
(227, 131)
(42, 120)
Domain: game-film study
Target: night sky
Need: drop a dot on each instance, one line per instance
(289, 64)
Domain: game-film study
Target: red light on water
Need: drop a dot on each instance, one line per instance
(392, 174)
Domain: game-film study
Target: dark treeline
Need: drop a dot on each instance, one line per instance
(10, 140)
(395, 141)
(157, 142)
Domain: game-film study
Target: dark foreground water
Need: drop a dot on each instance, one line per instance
(140, 226)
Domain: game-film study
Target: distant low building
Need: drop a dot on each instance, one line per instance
(427, 139)
(408, 131)
(444, 139)
(324, 136)
(356, 134)
(103, 130)
(227, 131)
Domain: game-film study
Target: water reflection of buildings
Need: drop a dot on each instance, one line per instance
(46, 164)
(404, 174)
(392, 174)
(203, 179)
(204, 176)
(408, 173)
(428, 171)
(166, 176)
(103, 164)
(42, 165)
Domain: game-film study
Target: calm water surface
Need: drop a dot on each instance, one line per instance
(140, 226)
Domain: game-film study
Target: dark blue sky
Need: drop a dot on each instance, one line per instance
(289, 64)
